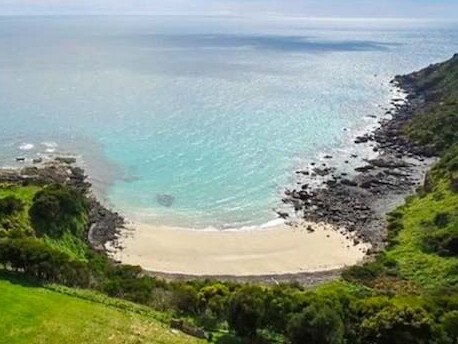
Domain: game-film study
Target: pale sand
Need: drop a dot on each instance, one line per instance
(272, 251)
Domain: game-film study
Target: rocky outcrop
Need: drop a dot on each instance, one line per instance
(359, 203)
(104, 224)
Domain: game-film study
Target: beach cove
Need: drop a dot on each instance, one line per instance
(276, 250)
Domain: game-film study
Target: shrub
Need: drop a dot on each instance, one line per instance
(36, 259)
(246, 311)
(10, 205)
(398, 325)
(316, 325)
(56, 209)
(186, 299)
(449, 322)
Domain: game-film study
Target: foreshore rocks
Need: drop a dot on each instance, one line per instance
(104, 224)
(359, 203)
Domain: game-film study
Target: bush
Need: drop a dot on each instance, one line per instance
(246, 311)
(365, 273)
(316, 325)
(186, 299)
(449, 322)
(398, 325)
(10, 205)
(56, 209)
(36, 259)
(214, 298)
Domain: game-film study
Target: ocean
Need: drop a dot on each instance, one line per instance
(201, 121)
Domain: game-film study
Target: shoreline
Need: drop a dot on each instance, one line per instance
(354, 205)
(361, 201)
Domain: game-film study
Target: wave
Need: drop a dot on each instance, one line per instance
(26, 146)
(50, 146)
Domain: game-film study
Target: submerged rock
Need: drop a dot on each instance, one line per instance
(165, 200)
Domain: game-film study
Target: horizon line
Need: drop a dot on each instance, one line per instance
(233, 15)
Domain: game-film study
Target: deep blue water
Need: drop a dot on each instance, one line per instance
(216, 112)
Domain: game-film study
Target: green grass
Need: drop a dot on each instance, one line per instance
(31, 314)
(68, 243)
(24, 193)
(417, 222)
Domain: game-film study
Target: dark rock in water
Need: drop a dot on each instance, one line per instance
(328, 157)
(388, 163)
(348, 182)
(66, 160)
(363, 139)
(20, 159)
(322, 171)
(165, 200)
(364, 168)
(282, 214)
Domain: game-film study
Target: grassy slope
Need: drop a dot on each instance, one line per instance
(417, 219)
(68, 243)
(437, 127)
(26, 194)
(31, 315)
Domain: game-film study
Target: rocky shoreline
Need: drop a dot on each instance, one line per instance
(104, 225)
(359, 204)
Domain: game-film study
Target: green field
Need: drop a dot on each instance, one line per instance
(30, 314)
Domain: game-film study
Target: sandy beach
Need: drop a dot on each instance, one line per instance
(271, 251)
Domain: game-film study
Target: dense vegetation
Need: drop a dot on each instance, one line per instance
(408, 294)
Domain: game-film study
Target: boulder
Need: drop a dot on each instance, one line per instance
(165, 200)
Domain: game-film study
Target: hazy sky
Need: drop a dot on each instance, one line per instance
(311, 8)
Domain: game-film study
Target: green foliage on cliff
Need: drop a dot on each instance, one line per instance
(424, 231)
(425, 246)
(437, 124)
(14, 219)
(56, 210)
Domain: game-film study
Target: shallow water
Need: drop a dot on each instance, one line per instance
(216, 112)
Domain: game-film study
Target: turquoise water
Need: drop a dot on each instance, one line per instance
(216, 112)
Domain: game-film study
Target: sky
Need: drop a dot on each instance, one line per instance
(447, 9)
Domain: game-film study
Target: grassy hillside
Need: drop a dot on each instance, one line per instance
(436, 124)
(424, 232)
(30, 314)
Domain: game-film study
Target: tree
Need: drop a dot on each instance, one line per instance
(10, 205)
(246, 311)
(316, 324)
(282, 302)
(449, 323)
(186, 299)
(56, 209)
(398, 325)
(214, 298)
